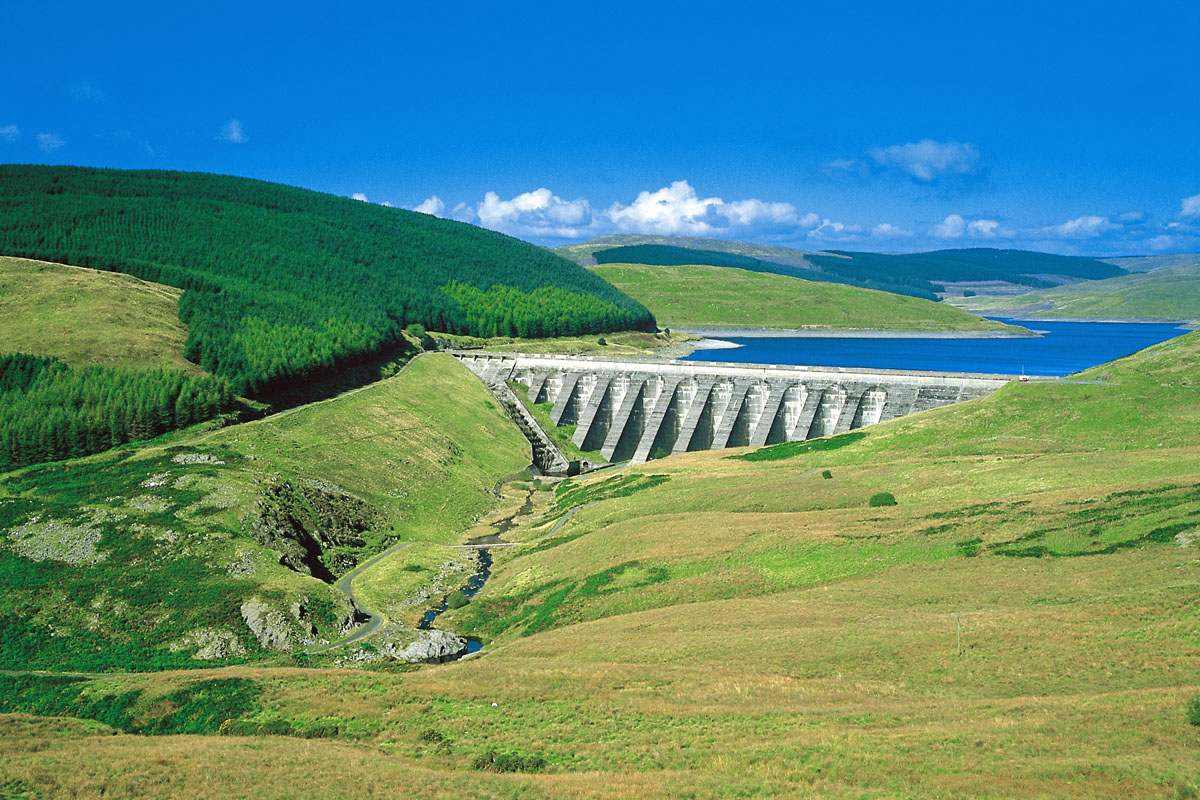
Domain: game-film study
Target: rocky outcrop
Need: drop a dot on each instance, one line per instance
(212, 644)
(270, 626)
(55, 540)
(303, 519)
(430, 647)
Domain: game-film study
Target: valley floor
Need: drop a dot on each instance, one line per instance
(1022, 623)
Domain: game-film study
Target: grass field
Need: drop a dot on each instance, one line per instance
(704, 296)
(1171, 292)
(141, 557)
(1023, 623)
(85, 316)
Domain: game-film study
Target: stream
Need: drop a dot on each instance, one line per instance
(482, 572)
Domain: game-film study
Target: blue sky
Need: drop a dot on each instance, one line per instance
(1063, 126)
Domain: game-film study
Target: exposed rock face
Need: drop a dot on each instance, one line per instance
(55, 540)
(270, 626)
(430, 646)
(300, 520)
(196, 458)
(212, 644)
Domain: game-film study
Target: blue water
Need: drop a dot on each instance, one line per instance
(1066, 347)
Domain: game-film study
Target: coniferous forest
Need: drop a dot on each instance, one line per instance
(283, 284)
(49, 411)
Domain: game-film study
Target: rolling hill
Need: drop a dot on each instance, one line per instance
(719, 296)
(282, 285)
(1169, 292)
(85, 316)
(917, 274)
(1022, 622)
(144, 558)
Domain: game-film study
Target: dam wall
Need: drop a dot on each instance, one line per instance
(639, 409)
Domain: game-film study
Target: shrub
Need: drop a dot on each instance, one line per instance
(882, 499)
(826, 474)
(601, 342)
(457, 599)
(508, 762)
(1193, 710)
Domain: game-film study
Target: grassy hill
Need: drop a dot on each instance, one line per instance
(282, 285)
(1171, 292)
(714, 296)
(917, 274)
(90, 360)
(1151, 263)
(1022, 623)
(143, 558)
(85, 316)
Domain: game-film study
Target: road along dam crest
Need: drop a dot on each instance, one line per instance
(639, 409)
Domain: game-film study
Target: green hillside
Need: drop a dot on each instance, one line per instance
(143, 559)
(917, 274)
(85, 316)
(90, 360)
(282, 284)
(715, 296)
(1171, 293)
(1022, 623)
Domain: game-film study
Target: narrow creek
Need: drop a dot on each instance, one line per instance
(482, 572)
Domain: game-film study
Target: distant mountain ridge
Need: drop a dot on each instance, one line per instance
(916, 274)
(1166, 293)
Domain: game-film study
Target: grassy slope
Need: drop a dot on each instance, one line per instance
(424, 448)
(85, 316)
(1166, 293)
(754, 629)
(721, 296)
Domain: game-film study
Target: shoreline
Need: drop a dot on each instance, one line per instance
(719, 334)
(1185, 324)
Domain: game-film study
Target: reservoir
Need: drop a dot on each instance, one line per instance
(1063, 348)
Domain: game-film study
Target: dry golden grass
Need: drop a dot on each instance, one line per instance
(85, 316)
(1071, 683)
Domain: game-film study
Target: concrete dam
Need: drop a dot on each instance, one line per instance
(639, 409)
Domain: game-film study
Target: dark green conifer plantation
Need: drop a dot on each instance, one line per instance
(282, 285)
(49, 411)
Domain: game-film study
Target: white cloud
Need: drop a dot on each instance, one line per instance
(387, 204)
(1161, 242)
(845, 167)
(49, 142)
(432, 205)
(678, 209)
(927, 161)
(952, 227)
(830, 231)
(886, 230)
(674, 209)
(984, 229)
(1190, 207)
(10, 133)
(1088, 226)
(232, 132)
(955, 226)
(464, 213)
(359, 196)
(538, 214)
